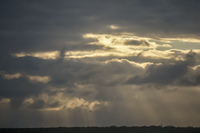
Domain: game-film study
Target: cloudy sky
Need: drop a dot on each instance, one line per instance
(99, 63)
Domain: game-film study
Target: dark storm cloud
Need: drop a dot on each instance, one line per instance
(164, 74)
(67, 73)
(41, 104)
(19, 88)
(167, 73)
(193, 80)
(29, 65)
(138, 43)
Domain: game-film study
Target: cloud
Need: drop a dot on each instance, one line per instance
(169, 40)
(43, 79)
(114, 27)
(60, 101)
(136, 42)
(10, 76)
(42, 55)
(121, 39)
(99, 63)
(125, 61)
(19, 88)
(163, 74)
(76, 102)
(192, 78)
(4, 100)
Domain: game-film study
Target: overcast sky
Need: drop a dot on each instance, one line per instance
(99, 63)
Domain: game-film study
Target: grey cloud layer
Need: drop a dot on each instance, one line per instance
(104, 83)
(30, 24)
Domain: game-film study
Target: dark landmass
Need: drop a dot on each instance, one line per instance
(112, 129)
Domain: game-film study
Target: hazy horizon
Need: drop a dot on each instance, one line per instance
(70, 63)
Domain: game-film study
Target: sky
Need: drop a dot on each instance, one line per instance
(66, 63)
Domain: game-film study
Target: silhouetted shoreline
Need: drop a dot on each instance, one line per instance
(112, 129)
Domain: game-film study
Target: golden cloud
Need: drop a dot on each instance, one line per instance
(43, 55)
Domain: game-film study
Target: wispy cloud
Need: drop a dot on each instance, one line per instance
(42, 55)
